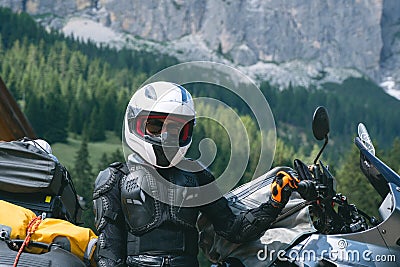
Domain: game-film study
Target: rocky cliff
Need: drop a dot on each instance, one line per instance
(315, 35)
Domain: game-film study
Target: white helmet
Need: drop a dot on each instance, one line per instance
(159, 122)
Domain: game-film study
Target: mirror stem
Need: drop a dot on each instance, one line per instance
(322, 149)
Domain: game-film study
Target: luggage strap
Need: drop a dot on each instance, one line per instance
(32, 227)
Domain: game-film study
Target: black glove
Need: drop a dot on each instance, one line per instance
(282, 187)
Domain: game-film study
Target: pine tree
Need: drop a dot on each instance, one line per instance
(103, 163)
(1, 46)
(117, 156)
(56, 118)
(353, 184)
(84, 180)
(96, 126)
(82, 169)
(283, 154)
(106, 160)
(74, 119)
(108, 109)
(35, 112)
(393, 157)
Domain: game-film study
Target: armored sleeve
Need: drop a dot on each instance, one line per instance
(109, 220)
(246, 226)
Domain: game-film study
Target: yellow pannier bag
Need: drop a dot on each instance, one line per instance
(82, 240)
(15, 217)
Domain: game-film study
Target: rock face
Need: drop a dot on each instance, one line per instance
(361, 34)
(40, 7)
(334, 32)
(390, 53)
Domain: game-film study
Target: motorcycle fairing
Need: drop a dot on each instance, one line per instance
(379, 240)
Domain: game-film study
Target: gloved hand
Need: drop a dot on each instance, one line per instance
(281, 188)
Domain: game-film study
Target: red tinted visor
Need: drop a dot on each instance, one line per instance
(168, 130)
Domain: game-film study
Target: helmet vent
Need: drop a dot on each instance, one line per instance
(150, 93)
(185, 96)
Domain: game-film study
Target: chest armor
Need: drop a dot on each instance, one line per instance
(150, 198)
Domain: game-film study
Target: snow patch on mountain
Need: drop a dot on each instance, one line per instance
(86, 29)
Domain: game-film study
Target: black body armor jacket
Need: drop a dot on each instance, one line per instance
(132, 221)
(142, 190)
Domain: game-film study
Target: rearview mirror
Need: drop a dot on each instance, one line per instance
(320, 123)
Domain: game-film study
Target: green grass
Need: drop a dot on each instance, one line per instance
(66, 153)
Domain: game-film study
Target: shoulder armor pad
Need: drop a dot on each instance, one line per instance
(102, 178)
(105, 180)
(120, 166)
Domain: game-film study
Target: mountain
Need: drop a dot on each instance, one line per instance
(81, 88)
(285, 42)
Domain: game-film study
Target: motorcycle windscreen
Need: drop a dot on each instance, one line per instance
(389, 175)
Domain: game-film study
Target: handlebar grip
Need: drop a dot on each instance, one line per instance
(307, 190)
(302, 186)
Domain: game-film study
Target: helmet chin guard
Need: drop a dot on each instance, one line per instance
(158, 123)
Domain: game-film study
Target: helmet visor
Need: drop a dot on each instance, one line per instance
(161, 129)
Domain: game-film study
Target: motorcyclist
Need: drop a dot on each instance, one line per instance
(138, 220)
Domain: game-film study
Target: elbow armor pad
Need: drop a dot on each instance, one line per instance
(250, 224)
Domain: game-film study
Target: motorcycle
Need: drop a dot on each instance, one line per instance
(323, 229)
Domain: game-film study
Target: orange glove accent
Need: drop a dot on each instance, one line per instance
(281, 187)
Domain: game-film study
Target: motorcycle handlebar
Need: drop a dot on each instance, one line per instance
(307, 190)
